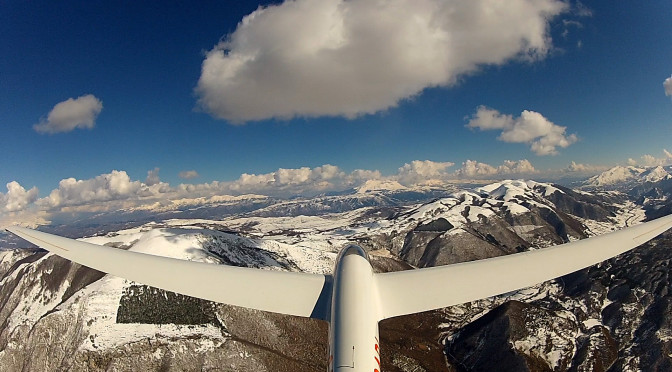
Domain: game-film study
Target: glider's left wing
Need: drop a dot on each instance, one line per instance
(299, 294)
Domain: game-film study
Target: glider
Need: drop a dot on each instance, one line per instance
(354, 298)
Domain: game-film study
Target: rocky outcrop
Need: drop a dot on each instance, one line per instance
(499, 220)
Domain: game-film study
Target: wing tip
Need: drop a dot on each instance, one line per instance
(15, 228)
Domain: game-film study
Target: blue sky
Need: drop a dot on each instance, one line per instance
(315, 83)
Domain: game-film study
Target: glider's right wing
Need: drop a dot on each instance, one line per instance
(413, 291)
(275, 291)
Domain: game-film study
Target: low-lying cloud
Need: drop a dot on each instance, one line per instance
(116, 190)
(575, 167)
(667, 84)
(543, 136)
(80, 112)
(308, 58)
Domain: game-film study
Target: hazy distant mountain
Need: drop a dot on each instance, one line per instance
(380, 185)
(620, 177)
(615, 316)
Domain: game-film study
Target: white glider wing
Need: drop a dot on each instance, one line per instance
(299, 294)
(413, 291)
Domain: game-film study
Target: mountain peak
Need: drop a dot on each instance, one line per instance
(656, 174)
(380, 185)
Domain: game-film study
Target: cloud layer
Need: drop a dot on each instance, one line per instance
(575, 167)
(116, 190)
(348, 58)
(667, 84)
(80, 112)
(530, 127)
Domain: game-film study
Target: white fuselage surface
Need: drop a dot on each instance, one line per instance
(353, 329)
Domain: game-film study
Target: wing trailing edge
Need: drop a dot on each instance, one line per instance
(413, 291)
(299, 294)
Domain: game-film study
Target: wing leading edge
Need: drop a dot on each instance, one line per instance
(298, 294)
(308, 295)
(413, 291)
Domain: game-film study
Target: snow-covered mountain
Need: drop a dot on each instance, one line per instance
(656, 174)
(624, 176)
(650, 187)
(59, 315)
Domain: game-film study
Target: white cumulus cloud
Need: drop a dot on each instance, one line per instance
(419, 171)
(347, 58)
(667, 84)
(113, 186)
(152, 177)
(294, 181)
(650, 160)
(475, 169)
(80, 112)
(17, 197)
(360, 176)
(530, 127)
(516, 167)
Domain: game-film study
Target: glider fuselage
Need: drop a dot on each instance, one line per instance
(353, 328)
